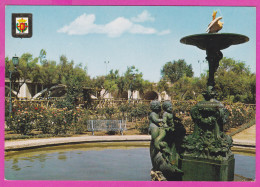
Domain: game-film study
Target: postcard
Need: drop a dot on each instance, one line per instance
(128, 93)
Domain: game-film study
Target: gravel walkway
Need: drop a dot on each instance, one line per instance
(246, 138)
(23, 144)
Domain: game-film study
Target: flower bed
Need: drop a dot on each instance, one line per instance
(27, 116)
(49, 120)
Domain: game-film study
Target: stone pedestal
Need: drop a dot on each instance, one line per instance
(198, 169)
(207, 151)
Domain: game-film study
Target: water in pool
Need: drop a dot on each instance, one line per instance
(107, 162)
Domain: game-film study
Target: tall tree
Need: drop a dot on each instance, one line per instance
(42, 56)
(97, 84)
(162, 85)
(26, 70)
(74, 77)
(175, 70)
(111, 82)
(234, 82)
(229, 64)
(133, 79)
(48, 72)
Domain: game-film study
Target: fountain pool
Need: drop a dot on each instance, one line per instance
(95, 162)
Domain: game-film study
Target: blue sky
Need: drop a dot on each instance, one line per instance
(144, 36)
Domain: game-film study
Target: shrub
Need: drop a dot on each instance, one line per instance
(109, 112)
(239, 115)
(43, 121)
(80, 121)
(22, 122)
(125, 110)
(61, 120)
(27, 116)
(143, 127)
(140, 111)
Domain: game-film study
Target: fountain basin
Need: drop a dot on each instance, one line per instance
(217, 41)
(117, 161)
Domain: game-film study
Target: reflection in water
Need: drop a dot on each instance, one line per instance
(129, 163)
(62, 156)
(126, 163)
(15, 166)
(42, 159)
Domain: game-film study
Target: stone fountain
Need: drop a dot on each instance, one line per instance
(206, 154)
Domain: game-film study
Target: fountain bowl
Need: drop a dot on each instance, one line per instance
(217, 41)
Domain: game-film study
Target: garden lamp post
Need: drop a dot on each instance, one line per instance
(15, 61)
(106, 62)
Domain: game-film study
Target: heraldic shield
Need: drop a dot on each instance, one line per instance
(22, 25)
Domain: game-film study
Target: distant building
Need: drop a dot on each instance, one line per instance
(27, 88)
(32, 90)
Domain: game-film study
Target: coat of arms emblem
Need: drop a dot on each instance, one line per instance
(22, 25)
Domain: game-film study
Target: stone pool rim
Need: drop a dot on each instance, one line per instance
(46, 142)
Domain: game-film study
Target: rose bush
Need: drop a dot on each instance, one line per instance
(27, 116)
(239, 114)
(49, 120)
(21, 121)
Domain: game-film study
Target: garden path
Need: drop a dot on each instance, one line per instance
(247, 134)
(247, 137)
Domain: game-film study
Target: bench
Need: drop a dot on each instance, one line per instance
(106, 125)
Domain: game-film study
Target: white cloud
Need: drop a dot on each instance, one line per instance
(85, 24)
(118, 27)
(164, 32)
(144, 16)
(139, 29)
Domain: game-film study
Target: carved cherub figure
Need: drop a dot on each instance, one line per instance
(163, 151)
(167, 124)
(168, 117)
(156, 127)
(154, 119)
